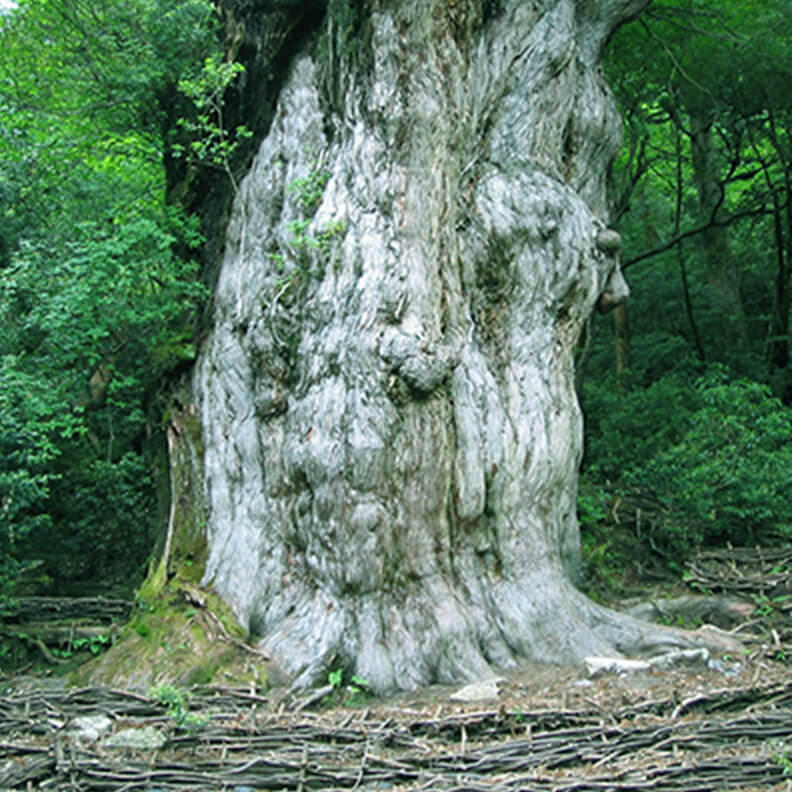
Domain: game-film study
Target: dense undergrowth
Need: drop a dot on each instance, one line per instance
(712, 467)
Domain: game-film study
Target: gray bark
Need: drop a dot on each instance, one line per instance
(387, 395)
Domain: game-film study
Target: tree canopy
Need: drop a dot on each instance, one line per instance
(98, 282)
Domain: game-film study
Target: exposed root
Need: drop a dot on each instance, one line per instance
(434, 636)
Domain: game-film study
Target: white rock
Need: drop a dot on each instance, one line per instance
(90, 727)
(680, 656)
(621, 665)
(478, 691)
(614, 665)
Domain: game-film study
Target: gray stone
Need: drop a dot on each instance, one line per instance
(146, 738)
(485, 690)
(680, 657)
(614, 665)
(729, 669)
(90, 727)
(663, 662)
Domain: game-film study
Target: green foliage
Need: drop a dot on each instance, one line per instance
(98, 289)
(90, 88)
(94, 644)
(210, 142)
(689, 447)
(352, 691)
(715, 455)
(305, 252)
(609, 553)
(336, 678)
(708, 123)
(729, 477)
(92, 326)
(176, 701)
(101, 64)
(592, 506)
(358, 691)
(31, 424)
(142, 629)
(767, 607)
(309, 190)
(628, 428)
(169, 696)
(781, 757)
(301, 241)
(115, 289)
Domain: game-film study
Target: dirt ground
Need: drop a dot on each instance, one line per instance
(549, 728)
(711, 724)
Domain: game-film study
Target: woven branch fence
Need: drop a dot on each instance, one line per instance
(723, 739)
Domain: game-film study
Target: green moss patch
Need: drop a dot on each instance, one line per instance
(183, 636)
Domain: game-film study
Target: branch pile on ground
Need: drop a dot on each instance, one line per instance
(43, 609)
(761, 575)
(48, 623)
(746, 571)
(724, 738)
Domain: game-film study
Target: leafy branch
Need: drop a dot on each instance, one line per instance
(211, 143)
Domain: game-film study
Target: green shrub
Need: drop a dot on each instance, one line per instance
(707, 461)
(29, 428)
(728, 478)
(625, 429)
(177, 702)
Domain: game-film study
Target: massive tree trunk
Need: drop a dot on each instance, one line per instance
(390, 429)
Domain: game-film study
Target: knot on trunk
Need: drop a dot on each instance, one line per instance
(616, 291)
(609, 241)
(423, 365)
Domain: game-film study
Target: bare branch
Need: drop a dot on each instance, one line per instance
(713, 222)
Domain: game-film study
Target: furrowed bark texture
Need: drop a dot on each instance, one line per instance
(387, 395)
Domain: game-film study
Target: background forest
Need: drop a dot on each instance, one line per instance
(107, 109)
(688, 387)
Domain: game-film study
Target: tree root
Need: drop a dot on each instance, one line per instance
(437, 637)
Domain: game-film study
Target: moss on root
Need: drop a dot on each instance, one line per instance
(179, 633)
(182, 635)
